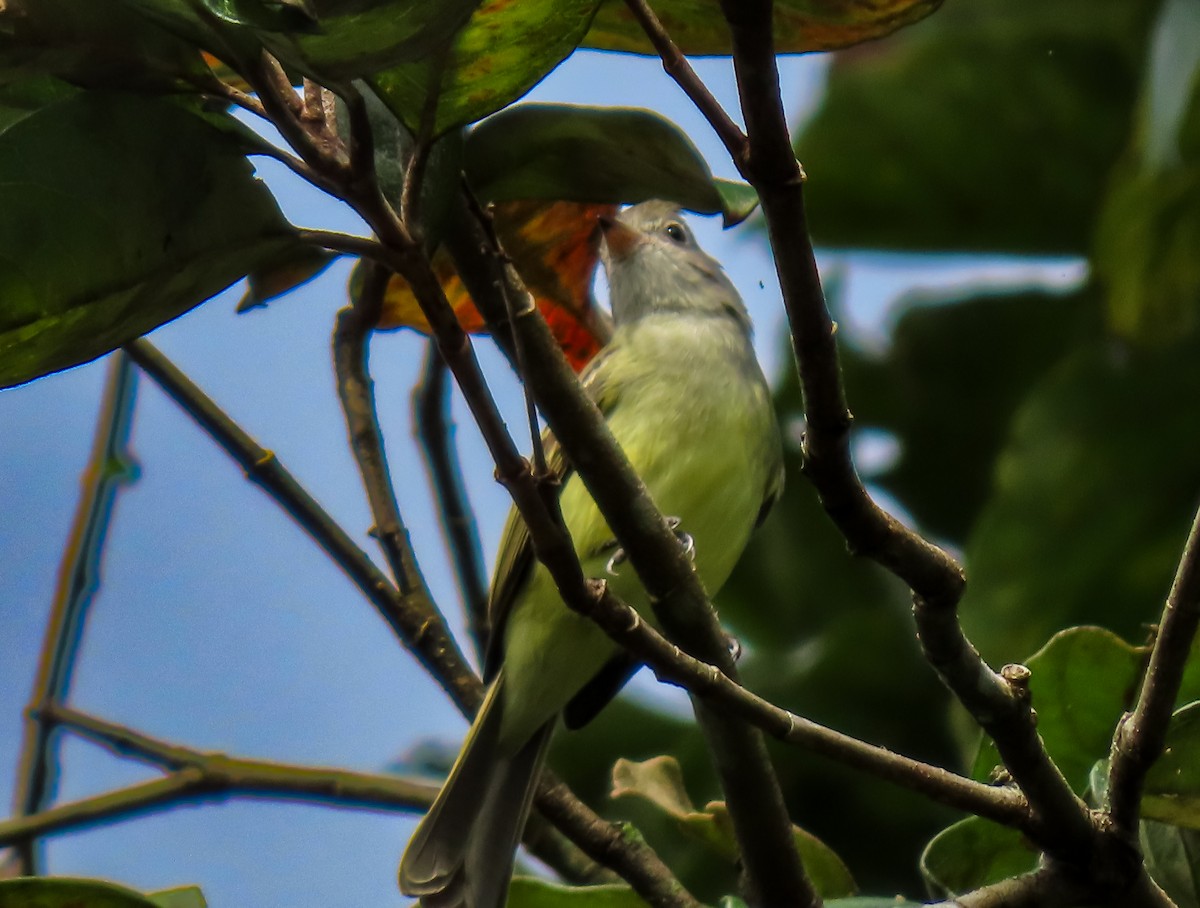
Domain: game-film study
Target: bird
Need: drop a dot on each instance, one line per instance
(686, 399)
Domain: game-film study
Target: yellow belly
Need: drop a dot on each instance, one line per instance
(708, 472)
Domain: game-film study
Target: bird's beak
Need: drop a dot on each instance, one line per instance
(619, 238)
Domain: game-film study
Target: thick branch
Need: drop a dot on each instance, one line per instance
(109, 466)
(935, 578)
(774, 874)
(435, 432)
(1142, 734)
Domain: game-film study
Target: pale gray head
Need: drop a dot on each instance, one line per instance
(654, 265)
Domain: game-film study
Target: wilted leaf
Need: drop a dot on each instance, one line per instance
(48, 892)
(503, 51)
(659, 781)
(1083, 680)
(120, 213)
(555, 247)
(530, 892)
(800, 25)
(182, 897)
(973, 853)
(596, 154)
(900, 157)
(298, 265)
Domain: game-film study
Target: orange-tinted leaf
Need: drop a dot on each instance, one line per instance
(555, 246)
(800, 25)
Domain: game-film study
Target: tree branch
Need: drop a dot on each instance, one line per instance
(773, 869)
(419, 629)
(432, 645)
(110, 465)
(356, 391)
(669, 663)
(1142, 734)
(936, 579)
(435, 432)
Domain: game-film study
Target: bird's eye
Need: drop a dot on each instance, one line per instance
(676, 232)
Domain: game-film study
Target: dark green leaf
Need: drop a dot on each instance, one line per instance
(1173, 860)
(1083, 680)
(593, 154)
(272, 15)
(800, 25)
(120, 213)
(68, 893)
(1172, 792)
(1150, 225)
(1092, 499)
(946, 388)
(530, 892)
(503, 51)
(324, 39)
(978, 130)
(93, 45)
(973, 853)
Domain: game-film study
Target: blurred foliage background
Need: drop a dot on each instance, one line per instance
(1050, 437)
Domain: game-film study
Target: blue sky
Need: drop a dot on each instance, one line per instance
(221, 626)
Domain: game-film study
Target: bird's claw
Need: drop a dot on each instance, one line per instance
(619, 557)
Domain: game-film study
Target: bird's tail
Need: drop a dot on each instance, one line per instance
(462, 851)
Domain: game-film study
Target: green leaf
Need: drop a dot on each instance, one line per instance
(324, 39)
(1091, 502)
(49, 892)
(272, 15)
(974, 853)
(1172, 788)
(181, 897)
(120, 213)
(659, 781)
(1173, 860)
(899, 156)
(503, 51)
(531, 892)
(595, 154)
(92, 45)
(296, 266)
(950, 429)
(1150, 224)
(799, 26)
(1083, 680)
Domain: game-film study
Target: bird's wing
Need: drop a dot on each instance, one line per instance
(515, 558)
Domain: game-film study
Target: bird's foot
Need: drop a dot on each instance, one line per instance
(619, 557)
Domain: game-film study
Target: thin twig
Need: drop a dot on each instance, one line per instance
(429, 640)
(356, 391)
(935, 578)
(432, 645)
(677, 67)
(1141, 736)
(623, 624)
(774, 874)
(110, 465)
(435, 433)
